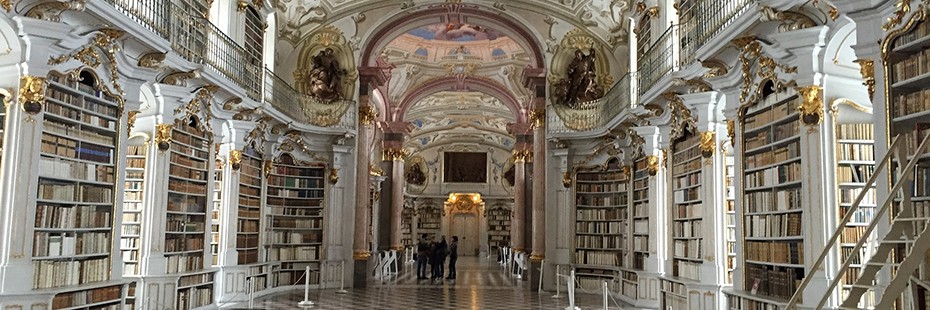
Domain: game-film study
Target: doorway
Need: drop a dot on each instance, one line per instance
(465, 226)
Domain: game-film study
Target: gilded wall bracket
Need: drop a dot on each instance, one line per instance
(51, 10)
(235, 159)
(163, 136)
(708, 143)
(812, 105)
(32, 93)
(867, 69)
(652, 164)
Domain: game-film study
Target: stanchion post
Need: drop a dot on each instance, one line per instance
(558, 278)
(306, 303)
(342, 279)
(251, 293)
(542, 265)
(605, 294)
(571, 292)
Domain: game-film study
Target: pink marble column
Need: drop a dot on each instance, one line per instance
(517, 225)
(397, 197)
(361, 252)
(539, 186)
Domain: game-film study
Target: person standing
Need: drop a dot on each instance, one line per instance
(453, 256)
(422, 255)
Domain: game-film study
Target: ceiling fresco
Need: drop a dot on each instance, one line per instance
(458, 32)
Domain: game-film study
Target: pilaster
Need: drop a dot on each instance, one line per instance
(653, 266)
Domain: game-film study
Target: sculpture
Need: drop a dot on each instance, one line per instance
(581, 82)
(326, 76)
(415, 175)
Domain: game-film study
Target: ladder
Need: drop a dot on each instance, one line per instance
(902, 231)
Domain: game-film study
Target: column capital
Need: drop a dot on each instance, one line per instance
(394, 154)
(812, 105)
(538, 118)
(366, 115)
(361, 255)
(522, 156)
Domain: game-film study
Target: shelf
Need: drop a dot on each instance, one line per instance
(782, 163)
(783, 238)
(774, 264)
(768, 147)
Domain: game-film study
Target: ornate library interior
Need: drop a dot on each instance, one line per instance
(464, 154)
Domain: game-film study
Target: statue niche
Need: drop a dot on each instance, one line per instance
(325, 79)
(580, 84)
(415, 175)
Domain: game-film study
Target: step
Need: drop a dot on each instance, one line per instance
(911, 219)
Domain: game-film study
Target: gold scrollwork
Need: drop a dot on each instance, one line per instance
(566, 179)
(7, 4)
(904, 6)
(708, 143)
(538, 118)
(521, 156)
(32, 93)
(393, 154)
(731, 131)
(163, 136)
(235, 159)
(152, 60)
(333, 176)
(366, 115)
(267, 167)
(652, 164)
(812, 106)
(867, 69)
(131, 121)
(361, 255)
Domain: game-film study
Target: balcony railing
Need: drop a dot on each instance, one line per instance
(151, 14)
(709, 18)
(305, 109)
(659, 60)
(590, 115)
(231, 60)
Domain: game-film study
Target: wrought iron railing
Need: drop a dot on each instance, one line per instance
(591, 115)
(659, 60)
(618, 100)
(151, 14)
(226, 57)
(305, 109)
(709, 18)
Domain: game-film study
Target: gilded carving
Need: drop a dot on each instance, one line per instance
(200, 106)
(867, 69)
(152, 60)
(904, 6)
(179, 78)
(361, 255)
(708, 143)
(566, 179)
(32, 93)
(652, 12)
(163, 136)
(812, 105)
(131, 121)
(104, 40)
(241, 5)
(751, 49)
(790, 21)
(244, 114)
(235, 158)
(521, 156)
(731, 131)
(698, 85)
(7, 4)
(51, 10)
(664, 157)
(652, 164)
(682, 118)
(538, 118)
(333, 176)
(267, 167)
(392, 154)
(366, 115)
(232, 103)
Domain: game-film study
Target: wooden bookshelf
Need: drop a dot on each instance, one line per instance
(498, 217)
(602, 217)
(406, 227)
(259, 276)
(188, 179)
(215, 212)
(687, 217)
(772, 210)
(295, 219)
(640, 201)
(855, 151)
(76, 185)
(250, 202)
(730, 216)
(429, 220)
(130, 243)
(101, 298)
(673, 295)
(195, 291)
(129, 296)
(739, 302)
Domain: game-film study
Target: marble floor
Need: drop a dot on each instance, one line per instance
(480, 284)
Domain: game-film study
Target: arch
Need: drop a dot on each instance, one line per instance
(450, 83)
(395, 26)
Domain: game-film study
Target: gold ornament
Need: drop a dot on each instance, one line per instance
(235, 159)
(333, 176)
(652, 164)
(566, 179)
(812, 107)
(867, 69)
(366, 115)
(163, 136)
(708, 143)
(32, 93)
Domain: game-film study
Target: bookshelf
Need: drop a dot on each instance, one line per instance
(295, 219)
(101, 298)
(195, 291)
(249, 213)
(601, 218)
(429, 220)
(74, 213)
(686, 218)
(673, 295)
(406, 226)
(498, 218)
(730, 215)
(640, 201)
(854, 165)
(215, 212)
(132, 209)
(186, 213)
(908, 108)
(771, 194)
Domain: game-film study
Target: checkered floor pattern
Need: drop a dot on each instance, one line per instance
(480, 284)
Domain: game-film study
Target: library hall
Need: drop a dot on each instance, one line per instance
(465, 154)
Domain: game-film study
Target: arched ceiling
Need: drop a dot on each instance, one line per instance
(449, 118)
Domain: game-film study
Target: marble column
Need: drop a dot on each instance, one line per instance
(397, 197)
(361, 253)
(539, 186)
(517, 225)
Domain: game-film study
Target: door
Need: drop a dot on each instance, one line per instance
(466, 227)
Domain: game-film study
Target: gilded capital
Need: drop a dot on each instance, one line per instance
(537, 257)
(32, 93)
(652, 164)
(811, 107)
(867, 70)
(538, 118)
(393, 154)
(235, 158)
(131, 121)
(521, 156)
(267, 167)
(333, 176)
(361, 255)
(163, 136)
(708, 143)
(366, 115)
(566, 179)
(731, 131)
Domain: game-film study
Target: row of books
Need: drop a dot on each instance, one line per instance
(919, 32)
(184, 263)
(910, 103)
(849, 151)
(246, 211)
(185, 187)
(67, 217)
(246, 241)
(187, 173)
(775, 282)
(314, 223)
(774, 225)
(246, 224)
(293, 182)
(177, 223)
(600, 227)
(687, 229)
(190, 136)
(640, 210)
(244, 189)
(70, 113)
(610, 200)
(600, 214)
(781, 252)
(640, 243)
(597, 258)
(57, 245)
(190, 204)
(183, 243)
(601, 242)
(683, 195)
(601, 187)
(688, 270)
(306, 253)
(282, 238)
(921, 210)
(854, 173)
(195, 279)
(772, 176)
(130, 230)
(856, 131)
(48, 274)
(98, 103)
(67, 148)
(788, 152)
(739, 303)
(298, 172)
(687, 211)
(694, 165)
(178, 149)
(783, 200)
(863, 215)
(912, 138)
(601, 176)
(688, 248)
(912, 65)
(848, 195)
(852, 234)
(199, 164)
(87, 297)
(688, 180)
(295, 193)
(287, 278)
(313, 212)
(195, 297)
(775, 113)
(71, 131)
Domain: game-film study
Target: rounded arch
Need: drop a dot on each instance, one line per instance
(395, 26)
(450, 83)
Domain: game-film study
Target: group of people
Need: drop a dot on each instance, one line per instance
(434, 253)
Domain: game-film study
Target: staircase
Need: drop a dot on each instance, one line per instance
(907, 231)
